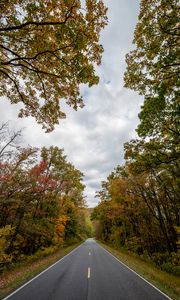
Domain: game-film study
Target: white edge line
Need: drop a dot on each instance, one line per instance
(21, 287)
(136, 273)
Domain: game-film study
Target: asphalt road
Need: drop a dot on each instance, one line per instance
(88, 273)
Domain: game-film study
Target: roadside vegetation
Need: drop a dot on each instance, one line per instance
(139, 208)
(41, 201)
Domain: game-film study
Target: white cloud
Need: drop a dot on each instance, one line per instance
(93, 137)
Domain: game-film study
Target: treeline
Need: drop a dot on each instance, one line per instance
(140, 207)
(41, 199)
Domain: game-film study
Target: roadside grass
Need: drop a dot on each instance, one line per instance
(22, 272)
(167, 283)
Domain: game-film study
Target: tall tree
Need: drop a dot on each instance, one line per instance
(153, 67)
(139, 206)
(41, 199)
(48, 49)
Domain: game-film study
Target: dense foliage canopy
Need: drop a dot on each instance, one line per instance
(153, 67)
(48, 48)
(41, 199)
(140, 207)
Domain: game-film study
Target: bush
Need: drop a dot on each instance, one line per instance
(5, 258)
(134, 244)
(160, 258)
(168, 262)
(168, 267)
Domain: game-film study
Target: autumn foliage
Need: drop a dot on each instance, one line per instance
(49, 48)
(139, 205)
(41, 199)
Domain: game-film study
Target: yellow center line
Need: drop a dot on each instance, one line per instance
(89, 272)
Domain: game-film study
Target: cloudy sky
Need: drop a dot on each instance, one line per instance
(93, 137)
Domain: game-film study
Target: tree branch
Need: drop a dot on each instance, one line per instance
(17, 27)
(34, 69)
(15, 83)
(30, 58)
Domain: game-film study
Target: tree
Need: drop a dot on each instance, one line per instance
(8, 141)
(48, 49)
(139, 206)
(41, 199)
(153, 67)
(138, 214)
(153, 71)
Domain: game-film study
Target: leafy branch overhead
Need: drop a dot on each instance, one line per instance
(153, 66)
(48, 49)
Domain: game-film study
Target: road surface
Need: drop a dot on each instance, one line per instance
(88, 273)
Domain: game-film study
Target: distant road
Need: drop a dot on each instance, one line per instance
(88, 273)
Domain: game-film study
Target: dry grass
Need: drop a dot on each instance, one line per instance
(167, 283)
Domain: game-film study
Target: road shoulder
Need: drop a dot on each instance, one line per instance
(167, 283)
(22, 273)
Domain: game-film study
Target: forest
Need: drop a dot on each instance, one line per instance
(139, 206)
(41, 200)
